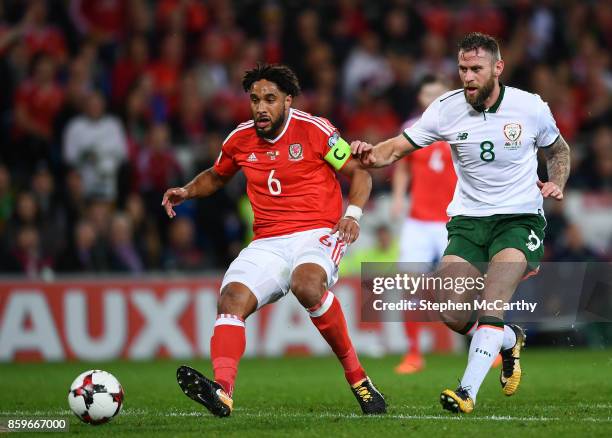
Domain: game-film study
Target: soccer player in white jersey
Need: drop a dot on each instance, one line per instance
(495, 132)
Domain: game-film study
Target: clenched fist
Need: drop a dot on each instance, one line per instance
(550, 190)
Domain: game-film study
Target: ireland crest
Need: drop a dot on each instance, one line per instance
(512, 131)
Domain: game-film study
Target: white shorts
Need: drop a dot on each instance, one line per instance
(422, 241)
(265, 266)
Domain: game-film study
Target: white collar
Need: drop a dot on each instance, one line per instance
(278, 137)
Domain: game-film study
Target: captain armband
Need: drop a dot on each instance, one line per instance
(339, 153)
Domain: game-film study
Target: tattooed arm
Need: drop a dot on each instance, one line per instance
(558, 166)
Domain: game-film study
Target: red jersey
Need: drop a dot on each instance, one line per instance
(42, 104)
(290, 185)
(433, 181)
(48, 40)
(100, 16)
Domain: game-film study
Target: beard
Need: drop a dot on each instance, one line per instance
(272, 130)
(483, 94)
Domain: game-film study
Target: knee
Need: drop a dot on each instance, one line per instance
(237, 300)
(308, 286)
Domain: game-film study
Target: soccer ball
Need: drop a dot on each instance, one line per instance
(95, 397)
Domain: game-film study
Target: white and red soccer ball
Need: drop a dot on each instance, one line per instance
(95, 397)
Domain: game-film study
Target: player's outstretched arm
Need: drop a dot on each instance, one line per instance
(204, 184)
(558, 166)
(359, 192)
(384, 153)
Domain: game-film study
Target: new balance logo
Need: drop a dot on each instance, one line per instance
(252, 157)
(462, 136)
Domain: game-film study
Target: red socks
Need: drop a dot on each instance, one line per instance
(412, 333)
(226, 348)
(328, 318)
(228, 342)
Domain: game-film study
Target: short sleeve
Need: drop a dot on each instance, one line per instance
(225, 164)
(328, 142)
(425, 131)
(324, 134)
(547, 131)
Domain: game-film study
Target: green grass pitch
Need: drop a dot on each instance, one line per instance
(563, 393)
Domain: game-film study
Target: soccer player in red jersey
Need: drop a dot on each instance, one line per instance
(290, 159)
(432, 184)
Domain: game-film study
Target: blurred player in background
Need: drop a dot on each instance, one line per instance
(290, 160)
(496, 214)
(423, 236)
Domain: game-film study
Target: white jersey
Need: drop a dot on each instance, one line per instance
(494, 152)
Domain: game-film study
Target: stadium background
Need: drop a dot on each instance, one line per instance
(105, 103)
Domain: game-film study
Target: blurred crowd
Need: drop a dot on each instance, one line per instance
(106, 103)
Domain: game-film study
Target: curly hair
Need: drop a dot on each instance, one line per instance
(477, 40)
(284, 78)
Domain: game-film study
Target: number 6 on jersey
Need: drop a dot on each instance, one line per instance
(274, 184)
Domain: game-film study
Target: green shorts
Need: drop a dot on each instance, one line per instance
(478, 239)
